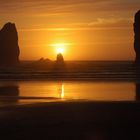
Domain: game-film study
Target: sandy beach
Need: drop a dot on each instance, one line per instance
(71, 120)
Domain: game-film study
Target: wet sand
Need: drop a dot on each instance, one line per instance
(71, 120)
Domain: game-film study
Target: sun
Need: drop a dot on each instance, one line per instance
(59, 47)
(60, 50)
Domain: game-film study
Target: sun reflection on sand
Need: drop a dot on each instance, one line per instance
(42, 91)
(62, 91)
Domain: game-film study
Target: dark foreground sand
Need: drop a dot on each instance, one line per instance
(71, 120)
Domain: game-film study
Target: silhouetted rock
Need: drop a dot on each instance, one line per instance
(137, 37)
(42, 60)
(9, 91)
(9, 49)
(60, 58)
(60, 64)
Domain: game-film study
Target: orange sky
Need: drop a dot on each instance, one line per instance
(89, 29)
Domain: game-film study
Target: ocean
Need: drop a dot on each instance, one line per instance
(73, 70)
(104, 81)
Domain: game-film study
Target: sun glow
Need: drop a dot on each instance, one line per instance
(62, 91)
(59, 47)
(60, 50)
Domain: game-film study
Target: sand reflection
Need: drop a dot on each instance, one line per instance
(138, 91)
(9, 93)
(42, 91)
(62, 91)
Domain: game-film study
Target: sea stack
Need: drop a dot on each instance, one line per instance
(9, 49)
(60, 58)
(137, 37)
(60, 64)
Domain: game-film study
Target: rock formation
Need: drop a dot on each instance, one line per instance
(9, 49)
(137, 37)
(9, 90)
(43, 60)
(60, 58)
(60, 64)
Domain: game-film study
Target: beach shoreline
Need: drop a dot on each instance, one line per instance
(74, 117)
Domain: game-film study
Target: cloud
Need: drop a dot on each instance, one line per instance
(99, 24)
(67, 6)
(120, 23)
(87, 14)
(44, 5)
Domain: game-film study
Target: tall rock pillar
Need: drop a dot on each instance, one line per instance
(9, 49)
(137, 37)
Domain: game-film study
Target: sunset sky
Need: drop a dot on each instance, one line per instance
(85, 29)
